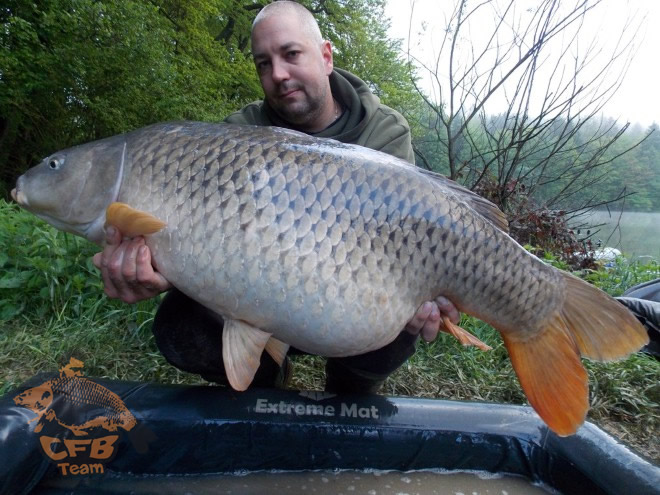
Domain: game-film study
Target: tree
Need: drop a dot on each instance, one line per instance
(547, 141)
(638, 171)
(76, 70)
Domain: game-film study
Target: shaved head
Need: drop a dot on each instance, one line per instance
(294, 64)
(306, 20)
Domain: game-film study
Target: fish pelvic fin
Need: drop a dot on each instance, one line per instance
(242, 346)
(589, 324)
(131, 222)
(602, 327)
(277, 350)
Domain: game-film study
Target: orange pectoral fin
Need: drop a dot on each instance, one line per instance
(132, 222)
(552, 376)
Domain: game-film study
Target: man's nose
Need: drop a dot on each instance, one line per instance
(279, 71)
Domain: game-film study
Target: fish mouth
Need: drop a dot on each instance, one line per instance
(19, 197)
(81, 229)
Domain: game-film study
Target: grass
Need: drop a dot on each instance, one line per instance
(52, 308)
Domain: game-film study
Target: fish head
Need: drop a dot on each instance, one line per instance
(36, 399)
(71, 189)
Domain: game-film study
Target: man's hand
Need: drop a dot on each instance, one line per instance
(428, 319)
(126, 269)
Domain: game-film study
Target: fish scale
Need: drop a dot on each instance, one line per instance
(330, 248)
(300, 187)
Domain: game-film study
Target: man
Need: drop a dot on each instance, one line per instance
(302, 91)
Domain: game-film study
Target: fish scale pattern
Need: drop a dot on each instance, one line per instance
(307, 239)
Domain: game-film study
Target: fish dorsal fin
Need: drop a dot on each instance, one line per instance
(481, 205)
(277, 350)
(242, 345)
(132, 222)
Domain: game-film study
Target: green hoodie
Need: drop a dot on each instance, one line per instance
(365, 121)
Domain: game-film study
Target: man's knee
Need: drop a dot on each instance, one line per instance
(366, 373)
(189, 335)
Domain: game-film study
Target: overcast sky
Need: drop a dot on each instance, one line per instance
(638, 98)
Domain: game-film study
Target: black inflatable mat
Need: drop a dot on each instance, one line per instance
(197, 431)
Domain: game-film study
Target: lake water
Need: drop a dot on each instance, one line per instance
(632, 232)
(317, 482)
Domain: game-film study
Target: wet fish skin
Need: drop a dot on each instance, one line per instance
(330, 247)
(303, 219)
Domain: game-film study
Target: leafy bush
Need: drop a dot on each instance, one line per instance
(545, 231)
(43, 270)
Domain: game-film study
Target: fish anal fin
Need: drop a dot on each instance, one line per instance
(132, 222)
(242, 345)
(463, 336)
(552, 376)
(602, 327)
(277, 350)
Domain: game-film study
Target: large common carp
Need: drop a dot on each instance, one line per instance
(330, 248)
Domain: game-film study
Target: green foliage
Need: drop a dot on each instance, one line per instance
(584, 169)
(52, 307)
(73, 71)
(637, 171)
(623, 274)
(45, 272)
(77, 70)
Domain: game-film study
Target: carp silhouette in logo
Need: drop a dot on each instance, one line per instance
(56, 399)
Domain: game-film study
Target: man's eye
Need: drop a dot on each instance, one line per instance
(292, 53)
(262, 65)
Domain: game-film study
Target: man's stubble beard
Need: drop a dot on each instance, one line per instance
(304, 113)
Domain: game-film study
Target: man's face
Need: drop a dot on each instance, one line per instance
(293, 70)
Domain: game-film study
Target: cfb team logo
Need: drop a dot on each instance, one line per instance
(59, 402)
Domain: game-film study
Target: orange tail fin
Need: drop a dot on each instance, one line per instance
(603, 328)
(590, 324)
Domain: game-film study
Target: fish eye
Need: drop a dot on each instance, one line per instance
(54, 163)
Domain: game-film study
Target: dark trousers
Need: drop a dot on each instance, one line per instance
(190, 337)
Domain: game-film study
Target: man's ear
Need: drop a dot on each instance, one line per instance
(326, 53)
